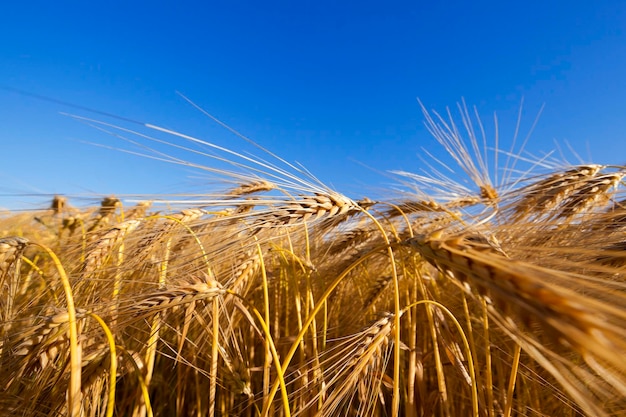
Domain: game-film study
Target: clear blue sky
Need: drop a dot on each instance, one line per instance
(329, 84)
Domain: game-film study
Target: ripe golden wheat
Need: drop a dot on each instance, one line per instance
(280, 296)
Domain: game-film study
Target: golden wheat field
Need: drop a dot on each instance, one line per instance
(277, 296)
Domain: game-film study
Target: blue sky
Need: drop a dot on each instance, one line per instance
(331, 85)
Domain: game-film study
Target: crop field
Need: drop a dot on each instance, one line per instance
(275, 295)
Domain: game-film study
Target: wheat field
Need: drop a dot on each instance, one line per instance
(275, 295)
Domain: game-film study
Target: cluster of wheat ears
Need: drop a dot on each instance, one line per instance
(280, 296)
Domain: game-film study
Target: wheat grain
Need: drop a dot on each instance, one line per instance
(252, 188)
(58, 204)
(544, 195)
(310, 208)
(103, 247)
